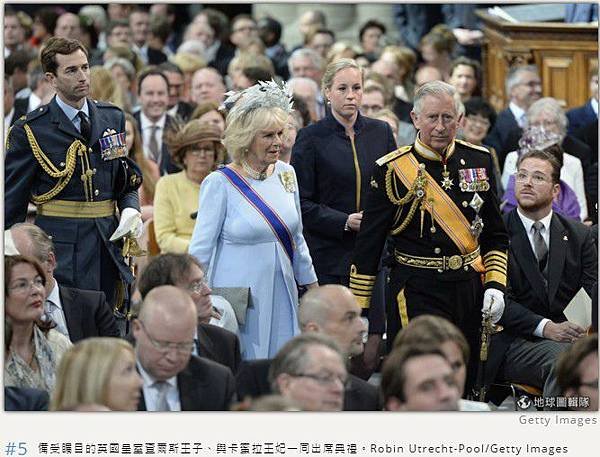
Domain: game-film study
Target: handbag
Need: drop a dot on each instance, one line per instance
(239, 297)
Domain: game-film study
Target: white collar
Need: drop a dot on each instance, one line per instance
(8, 116)
(517, 111)
(149, 380)
(35, 101)
(147, 123)
(594, 104)
(528, 223)
(54, 296)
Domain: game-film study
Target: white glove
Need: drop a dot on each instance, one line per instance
(131, 222)
(493, 302)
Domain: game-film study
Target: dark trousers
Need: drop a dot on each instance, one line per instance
(412, 292)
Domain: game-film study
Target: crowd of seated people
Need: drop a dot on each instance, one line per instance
(251, 195)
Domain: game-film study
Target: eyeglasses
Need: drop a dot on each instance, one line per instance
(197, 152)
(248, 28)
(22, 285)
(531, 84)
(166, 346)
(536, 178)
(325, 379)
(479, 120)
(197, 286)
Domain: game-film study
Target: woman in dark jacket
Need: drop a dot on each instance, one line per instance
(333, 159)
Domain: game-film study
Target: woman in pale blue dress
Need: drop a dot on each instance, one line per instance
(249, 228)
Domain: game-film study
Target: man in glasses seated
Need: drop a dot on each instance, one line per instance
(174, 379)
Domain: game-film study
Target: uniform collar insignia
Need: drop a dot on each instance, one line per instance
(425, 151)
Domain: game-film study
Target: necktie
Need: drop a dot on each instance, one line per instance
(162, 388)
(52, 310)
(539, 245)
(85, 128)
(153, 144)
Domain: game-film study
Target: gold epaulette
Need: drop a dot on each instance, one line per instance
(64, 175)
(393, 155)
(474, 146)
(362, 287)
(495, 263)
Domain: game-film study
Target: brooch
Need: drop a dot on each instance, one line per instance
(288, 181)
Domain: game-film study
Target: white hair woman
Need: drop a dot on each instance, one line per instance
(248, 231)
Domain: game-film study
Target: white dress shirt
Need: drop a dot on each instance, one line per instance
(57, 312)
(518, 113)
(545, 231)
(34, 102)
(151, 391)
(146, 128)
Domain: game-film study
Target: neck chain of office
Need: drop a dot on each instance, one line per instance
(258, 175)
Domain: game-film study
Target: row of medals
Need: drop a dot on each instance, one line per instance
(476, 202)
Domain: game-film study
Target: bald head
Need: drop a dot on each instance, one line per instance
(426, 74)
(332, 310)
(168, 304)
(164, 332)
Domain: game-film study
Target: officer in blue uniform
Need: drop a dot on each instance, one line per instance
(69, 159)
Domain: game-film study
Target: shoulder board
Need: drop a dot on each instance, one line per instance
(32, 115)
(393, 155)
(101, 104)
(471, 145)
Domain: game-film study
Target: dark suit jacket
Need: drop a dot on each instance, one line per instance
(581, 116)
(219, 345)
(504, 136)
(21, 105)
(87, 313)
(203, 385)
(221, 61)
(253, 381)
(324, 162)
(166, 165)
(572, 264)
(24, 399)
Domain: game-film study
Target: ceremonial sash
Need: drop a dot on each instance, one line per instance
(447, 215)
(278, 227)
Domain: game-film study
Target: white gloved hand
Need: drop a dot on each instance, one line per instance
(496, 306)
(130, 223)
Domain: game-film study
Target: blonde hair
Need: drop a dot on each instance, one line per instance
(104, 88)
(341, 50)
(335, 67)
(242, 127)
(247, 59)
(187, 62)
(85, 370)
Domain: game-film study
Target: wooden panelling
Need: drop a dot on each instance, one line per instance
(562, 52)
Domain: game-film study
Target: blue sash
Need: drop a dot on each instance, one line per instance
(271, 217)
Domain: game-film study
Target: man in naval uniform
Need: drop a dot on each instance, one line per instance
(69, 159)
(436, 199)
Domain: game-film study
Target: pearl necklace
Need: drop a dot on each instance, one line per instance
(258, 175)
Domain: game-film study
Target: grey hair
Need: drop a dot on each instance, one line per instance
(35, 76)
(40, 240)
(125, 64)
(514, 74)
(315, 58)
(551, 106)
(435, 89)
(293, 359)
(292, 82)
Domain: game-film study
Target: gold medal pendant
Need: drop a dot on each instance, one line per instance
(447, 181)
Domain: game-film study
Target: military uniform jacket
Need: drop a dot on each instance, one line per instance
(81, 244)
(415, 232)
